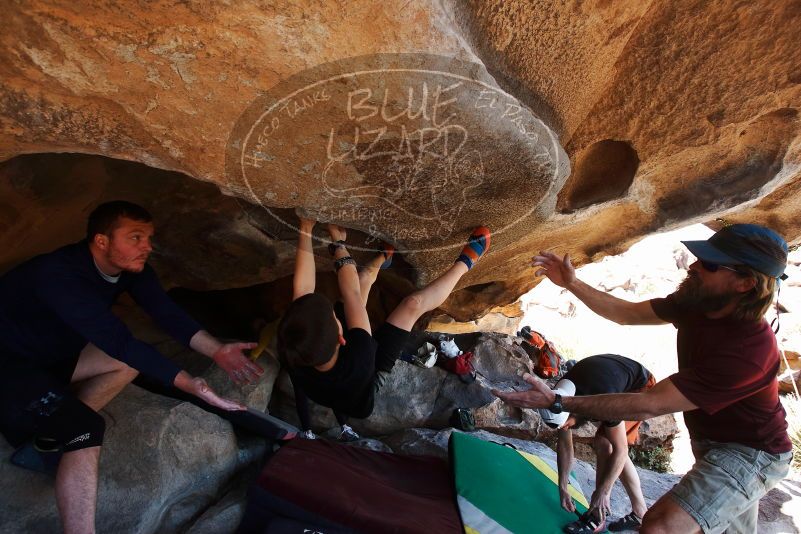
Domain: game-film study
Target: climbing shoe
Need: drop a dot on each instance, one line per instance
(627, 522)
(348, 434)
(477, 245)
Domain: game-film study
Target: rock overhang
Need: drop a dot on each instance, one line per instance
(697, 125)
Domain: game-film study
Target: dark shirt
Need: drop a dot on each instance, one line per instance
(53, 305)
(727, 367)
(347, 387)
(607, 373)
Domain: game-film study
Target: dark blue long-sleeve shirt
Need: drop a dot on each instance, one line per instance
(53, 305)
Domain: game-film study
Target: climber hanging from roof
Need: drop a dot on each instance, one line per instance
(330, 351)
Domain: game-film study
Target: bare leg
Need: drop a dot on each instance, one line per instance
(76, 490)
(666, 516)
(603, 451)
(368, 275)
(631, 482)
(426, 299)
(98, 377)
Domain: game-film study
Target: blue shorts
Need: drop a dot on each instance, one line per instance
(722, 490)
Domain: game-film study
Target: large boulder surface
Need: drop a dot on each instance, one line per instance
(163, 463)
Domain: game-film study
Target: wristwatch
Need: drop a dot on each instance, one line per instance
(332, 247)
(556, 407)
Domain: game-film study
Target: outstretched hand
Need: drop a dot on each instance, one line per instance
(566, 500)
(204, 392)
(539, 396)
(306, 225)
(558, 270)
(238, 366)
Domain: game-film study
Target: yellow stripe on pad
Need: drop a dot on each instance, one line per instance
(549, 472)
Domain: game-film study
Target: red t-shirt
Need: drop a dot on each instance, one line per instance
(727, 368)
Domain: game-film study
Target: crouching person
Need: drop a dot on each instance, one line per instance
(604, 373)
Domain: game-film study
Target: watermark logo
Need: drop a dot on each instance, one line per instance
(413, 149)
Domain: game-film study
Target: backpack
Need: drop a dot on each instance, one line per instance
(461, 365)
(542, 352)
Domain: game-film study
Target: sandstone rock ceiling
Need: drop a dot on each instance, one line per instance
(579, 126)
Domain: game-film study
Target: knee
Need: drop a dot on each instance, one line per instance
(655, 521)
(89, 431)
(125, 372)
(73, 426)
(602, 447)
(413, 304)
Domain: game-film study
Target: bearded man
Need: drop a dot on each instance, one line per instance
(726, 384)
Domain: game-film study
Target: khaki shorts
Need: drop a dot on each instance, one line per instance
(722, 490)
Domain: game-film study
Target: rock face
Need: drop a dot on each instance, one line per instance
(416, 397)
(406, 122)
(163, 463)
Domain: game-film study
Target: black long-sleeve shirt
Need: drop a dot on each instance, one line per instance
(53, 305)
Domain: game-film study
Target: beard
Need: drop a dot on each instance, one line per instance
(692, 295)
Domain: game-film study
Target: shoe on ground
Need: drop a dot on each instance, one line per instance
(37, 459)
(627, 522)
(586, 524)
(307, 434)
(348, 435)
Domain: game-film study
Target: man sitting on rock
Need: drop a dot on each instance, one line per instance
(65, 355)
(330, 352)
(726, 384)
(603, 373)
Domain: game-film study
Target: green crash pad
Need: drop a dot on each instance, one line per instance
(501, 489)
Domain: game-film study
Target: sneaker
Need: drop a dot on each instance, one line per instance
(628, 522)
(307, 434)
(477, 245)
(36, 458)
(586, 524)
(426, 356)
(348, 434)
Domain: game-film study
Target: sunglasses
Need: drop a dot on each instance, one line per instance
(713, 267)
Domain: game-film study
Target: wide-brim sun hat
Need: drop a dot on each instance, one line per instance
(744, 244)
(566, 388)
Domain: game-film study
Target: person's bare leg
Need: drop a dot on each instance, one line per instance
(667, 516)
(603, 451)
(631, 483)
(426, 299)
(76, 490)
(98, 377)
(368, 275)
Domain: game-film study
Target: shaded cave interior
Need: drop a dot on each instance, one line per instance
(228, 262)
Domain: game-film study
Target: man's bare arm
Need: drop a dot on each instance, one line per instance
(304, 278)
(663, 398)
(349, 287)
(561, 272)
(564, 464)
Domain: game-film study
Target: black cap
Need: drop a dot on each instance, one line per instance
(744, 244)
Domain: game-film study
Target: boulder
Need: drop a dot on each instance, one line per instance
(790, 381)
(577, 126)
(416, 397)
(163, 463)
